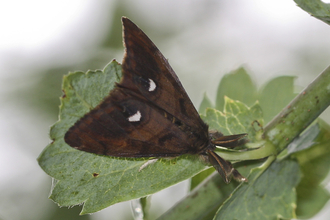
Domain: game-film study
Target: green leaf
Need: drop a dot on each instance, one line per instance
(305, 140)
(83, 92)
(310, 200)
(239, 116)
(204, 201)
(315, 166)
(65, 213)
(197, 179)
(316, 8)
(266, 196)
(100, 181)
(275, 95)
(206, 103)
(236, 85)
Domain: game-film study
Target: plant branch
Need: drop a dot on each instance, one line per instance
(299, 113)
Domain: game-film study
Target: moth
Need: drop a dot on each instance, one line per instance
(149, 114)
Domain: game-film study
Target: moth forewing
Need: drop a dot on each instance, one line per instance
(148, 113)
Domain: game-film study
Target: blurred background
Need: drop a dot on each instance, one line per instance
(203, 39)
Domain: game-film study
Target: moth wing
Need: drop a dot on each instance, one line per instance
(147, 114)
(124, 126)
(146, 72)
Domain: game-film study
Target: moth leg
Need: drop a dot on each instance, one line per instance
(238, 177)
(147, 164)
(224, 168)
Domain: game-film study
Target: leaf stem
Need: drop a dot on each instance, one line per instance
(299, 113)
(265, 150)
(263, 167)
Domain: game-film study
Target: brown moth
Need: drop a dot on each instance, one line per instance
(149, 114)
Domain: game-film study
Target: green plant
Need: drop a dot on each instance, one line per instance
(285, 161)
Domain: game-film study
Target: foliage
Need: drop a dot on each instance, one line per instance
(285, 185)
(100, 181)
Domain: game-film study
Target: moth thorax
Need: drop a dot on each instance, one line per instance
(201, 144)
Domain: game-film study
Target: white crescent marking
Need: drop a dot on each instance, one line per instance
(136, 117)
(152, 85)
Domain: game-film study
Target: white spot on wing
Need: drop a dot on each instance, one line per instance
(152, 85)
(136, 117)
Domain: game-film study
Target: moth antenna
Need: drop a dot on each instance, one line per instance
(230, 141)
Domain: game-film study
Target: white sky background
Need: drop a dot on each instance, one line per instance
(265, 36)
